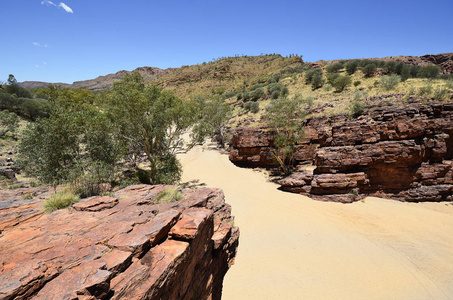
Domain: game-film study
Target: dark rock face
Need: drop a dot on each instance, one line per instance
(120, 247)
(403, 152)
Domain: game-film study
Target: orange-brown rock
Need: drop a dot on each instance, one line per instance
(399, 152)
(120, 247)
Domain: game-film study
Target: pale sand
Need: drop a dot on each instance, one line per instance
(292, 247)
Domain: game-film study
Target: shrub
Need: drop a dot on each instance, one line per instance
(440, 94)
(168, 195)
(333, 68)
(357, 108)
(144, 176)
(390, 67)
(251, 106)
(275, 94)
(59, 200)
(331, 77)
(369, 70)
(357, 83)
(317, 81)
(9, 122)
(91, 180)
(20, 92)
(327, 87)
(341, 83)
(429, 72)
(352, 66)
(405, 72)
(311, 73)
(389, 82)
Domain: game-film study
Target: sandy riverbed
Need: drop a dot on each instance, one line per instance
(292, 247)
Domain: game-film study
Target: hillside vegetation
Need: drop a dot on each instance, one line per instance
(87, 138)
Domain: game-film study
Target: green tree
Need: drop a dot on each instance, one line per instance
(317, 81)
(9, 122)
(429, 72)
(341, 83)
(284, 116)
(213, 118)
(152, 121)
(62, 147)
(352, 66)
(334, 68)
(369, 69)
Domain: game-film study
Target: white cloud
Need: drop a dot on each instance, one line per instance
(39, 45)
(36, 66)
(62, 5)
(65, 7)
(44, 63)
(47, 2)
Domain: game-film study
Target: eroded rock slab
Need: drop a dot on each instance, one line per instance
(124, 246)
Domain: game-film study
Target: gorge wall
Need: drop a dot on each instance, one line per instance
(402, 152)
(117, 247)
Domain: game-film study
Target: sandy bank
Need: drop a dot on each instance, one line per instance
(292, 247)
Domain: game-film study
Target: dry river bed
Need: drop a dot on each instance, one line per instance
(292, 247)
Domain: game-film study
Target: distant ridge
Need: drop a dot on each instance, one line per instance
(443, 60)
(104, 82)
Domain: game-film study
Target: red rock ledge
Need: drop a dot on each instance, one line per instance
(120, 247)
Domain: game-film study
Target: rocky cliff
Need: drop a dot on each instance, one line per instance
(117, 247)
(402, 152)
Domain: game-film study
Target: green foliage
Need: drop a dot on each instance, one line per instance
(389, 82)
(284, 116)
(405, 72)
(254, 95)
(311, 73)
(149, 120)
(357, 108)
(334, 68)
(331, 77)
(18, 91)
(369, 69)
(9, 122)
(341, 83)
(351, 66)
(89, 179)
(357, 83)
(317, 81)
(51, 149)
(59, 200)
(276, 90)
(167, 196)
(28, 108)
(251, 106)
(428, 72)
(213, 117)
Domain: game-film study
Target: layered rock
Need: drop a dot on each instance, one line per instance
(124, 246)
(403, 152)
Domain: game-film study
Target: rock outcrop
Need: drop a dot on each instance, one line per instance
(118, 247)
(402, 152)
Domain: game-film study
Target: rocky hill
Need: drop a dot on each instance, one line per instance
(104, 82)
(123, 246)
(229, 72)
(403, 152)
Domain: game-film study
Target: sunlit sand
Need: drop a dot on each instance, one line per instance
(292, 247)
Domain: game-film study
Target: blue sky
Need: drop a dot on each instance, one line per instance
(81, 39)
